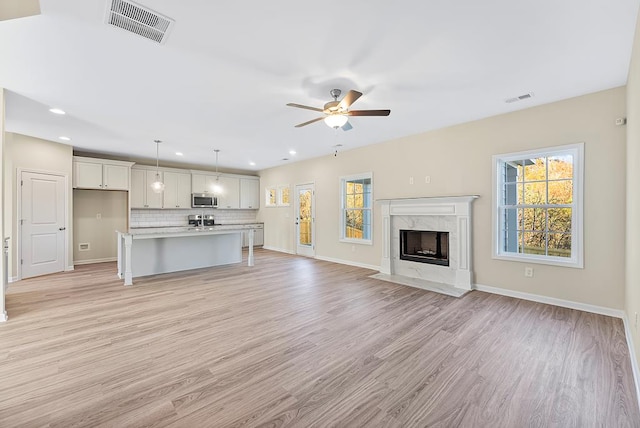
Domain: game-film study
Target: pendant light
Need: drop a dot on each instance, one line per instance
(216, 188)
(336, 120)
(157, 186)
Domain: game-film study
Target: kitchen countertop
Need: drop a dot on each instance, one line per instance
(192, 229)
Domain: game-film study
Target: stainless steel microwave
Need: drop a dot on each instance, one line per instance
(203, 200)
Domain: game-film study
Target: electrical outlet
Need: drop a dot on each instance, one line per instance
(528, 272)
(353, 248)
(98, 216)
(427, 179)
(410, 180)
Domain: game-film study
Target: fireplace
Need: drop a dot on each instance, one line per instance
(425, 246)
(451, 217)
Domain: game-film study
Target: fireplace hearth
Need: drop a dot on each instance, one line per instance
(425, 246)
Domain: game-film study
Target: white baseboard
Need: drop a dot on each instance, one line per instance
(3, 316)
(13, 279)
(280, 250)
(601, 310)
(632, 354)
(348, 262)
(88, 262)
(69, 268)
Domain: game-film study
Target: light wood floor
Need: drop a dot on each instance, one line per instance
(300, 342)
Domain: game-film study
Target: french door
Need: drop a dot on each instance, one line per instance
(305, 219)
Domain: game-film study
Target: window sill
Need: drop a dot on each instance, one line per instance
(551, 261)
(356, 241)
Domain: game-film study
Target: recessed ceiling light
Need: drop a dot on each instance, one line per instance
(57, 111)
(292, 152)
(179, 154)
(63, 138)
(285, 159)
(252, 163)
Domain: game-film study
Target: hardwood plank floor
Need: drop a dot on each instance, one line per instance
(303, 343)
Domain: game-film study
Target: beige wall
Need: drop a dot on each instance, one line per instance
(458, 160)
(37, 155)
(98, 233)
(633, 192)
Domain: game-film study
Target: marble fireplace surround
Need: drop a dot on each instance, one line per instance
(446, 214)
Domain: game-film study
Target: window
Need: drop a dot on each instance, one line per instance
(270, 197)
(538, 206)
(355, 208)
(283, 196)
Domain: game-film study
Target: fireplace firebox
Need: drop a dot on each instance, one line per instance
(425, 246)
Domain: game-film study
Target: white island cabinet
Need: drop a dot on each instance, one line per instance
(151, 251)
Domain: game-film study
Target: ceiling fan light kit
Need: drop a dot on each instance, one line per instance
(336, 113)
(336, 120)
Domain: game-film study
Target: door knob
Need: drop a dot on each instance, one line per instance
(62, 228)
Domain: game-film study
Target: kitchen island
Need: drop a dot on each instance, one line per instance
(151, 251)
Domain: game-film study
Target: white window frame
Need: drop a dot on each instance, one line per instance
(577, 207)
(343, 188)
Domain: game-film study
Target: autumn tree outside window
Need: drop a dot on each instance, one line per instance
(355, 208)
(538, 206)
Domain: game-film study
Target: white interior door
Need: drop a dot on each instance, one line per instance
(305, 220)
(43, 231)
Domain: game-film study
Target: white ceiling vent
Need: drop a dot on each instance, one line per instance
(138, 19)
(519, 98)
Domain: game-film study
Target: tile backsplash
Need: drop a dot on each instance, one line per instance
(161, 218)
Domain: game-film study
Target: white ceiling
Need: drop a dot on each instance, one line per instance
(228, 68)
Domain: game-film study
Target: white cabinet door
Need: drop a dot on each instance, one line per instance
(153, 199)
(258, 238)
(198, 183)
(177, 190)
(142, 196)
(87, 175)
(115, 177)
(249, 193)
(138, 180)
(230, 195)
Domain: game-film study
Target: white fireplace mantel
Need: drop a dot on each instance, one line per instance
(452, 214)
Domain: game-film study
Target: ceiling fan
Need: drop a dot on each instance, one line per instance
(336, 112)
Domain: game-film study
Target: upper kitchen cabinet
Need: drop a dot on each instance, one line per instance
(101, 174)
(142, 195)
(202, 183)
(177, 190)
(250, 193)
(229, 196)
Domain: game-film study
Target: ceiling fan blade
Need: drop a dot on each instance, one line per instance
(304, 107)
(309, 122)
(349, 99)
(368, 113)
(347, 126)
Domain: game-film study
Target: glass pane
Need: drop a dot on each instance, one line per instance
(510, 241)
(561, 192)
(559, 219)
(534, 243)
(349, 188)
(520, 193)
(560, 167)
(272, 196)
(535, 193)
(560, 244)
(535, 219)
(353, 224)
(535, 169)
(510, 172)
(511, 220)
(304, 215)
(510, 196)
(284, 195)
(351, 201)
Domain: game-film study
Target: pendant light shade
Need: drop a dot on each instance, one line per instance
(157, 186)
